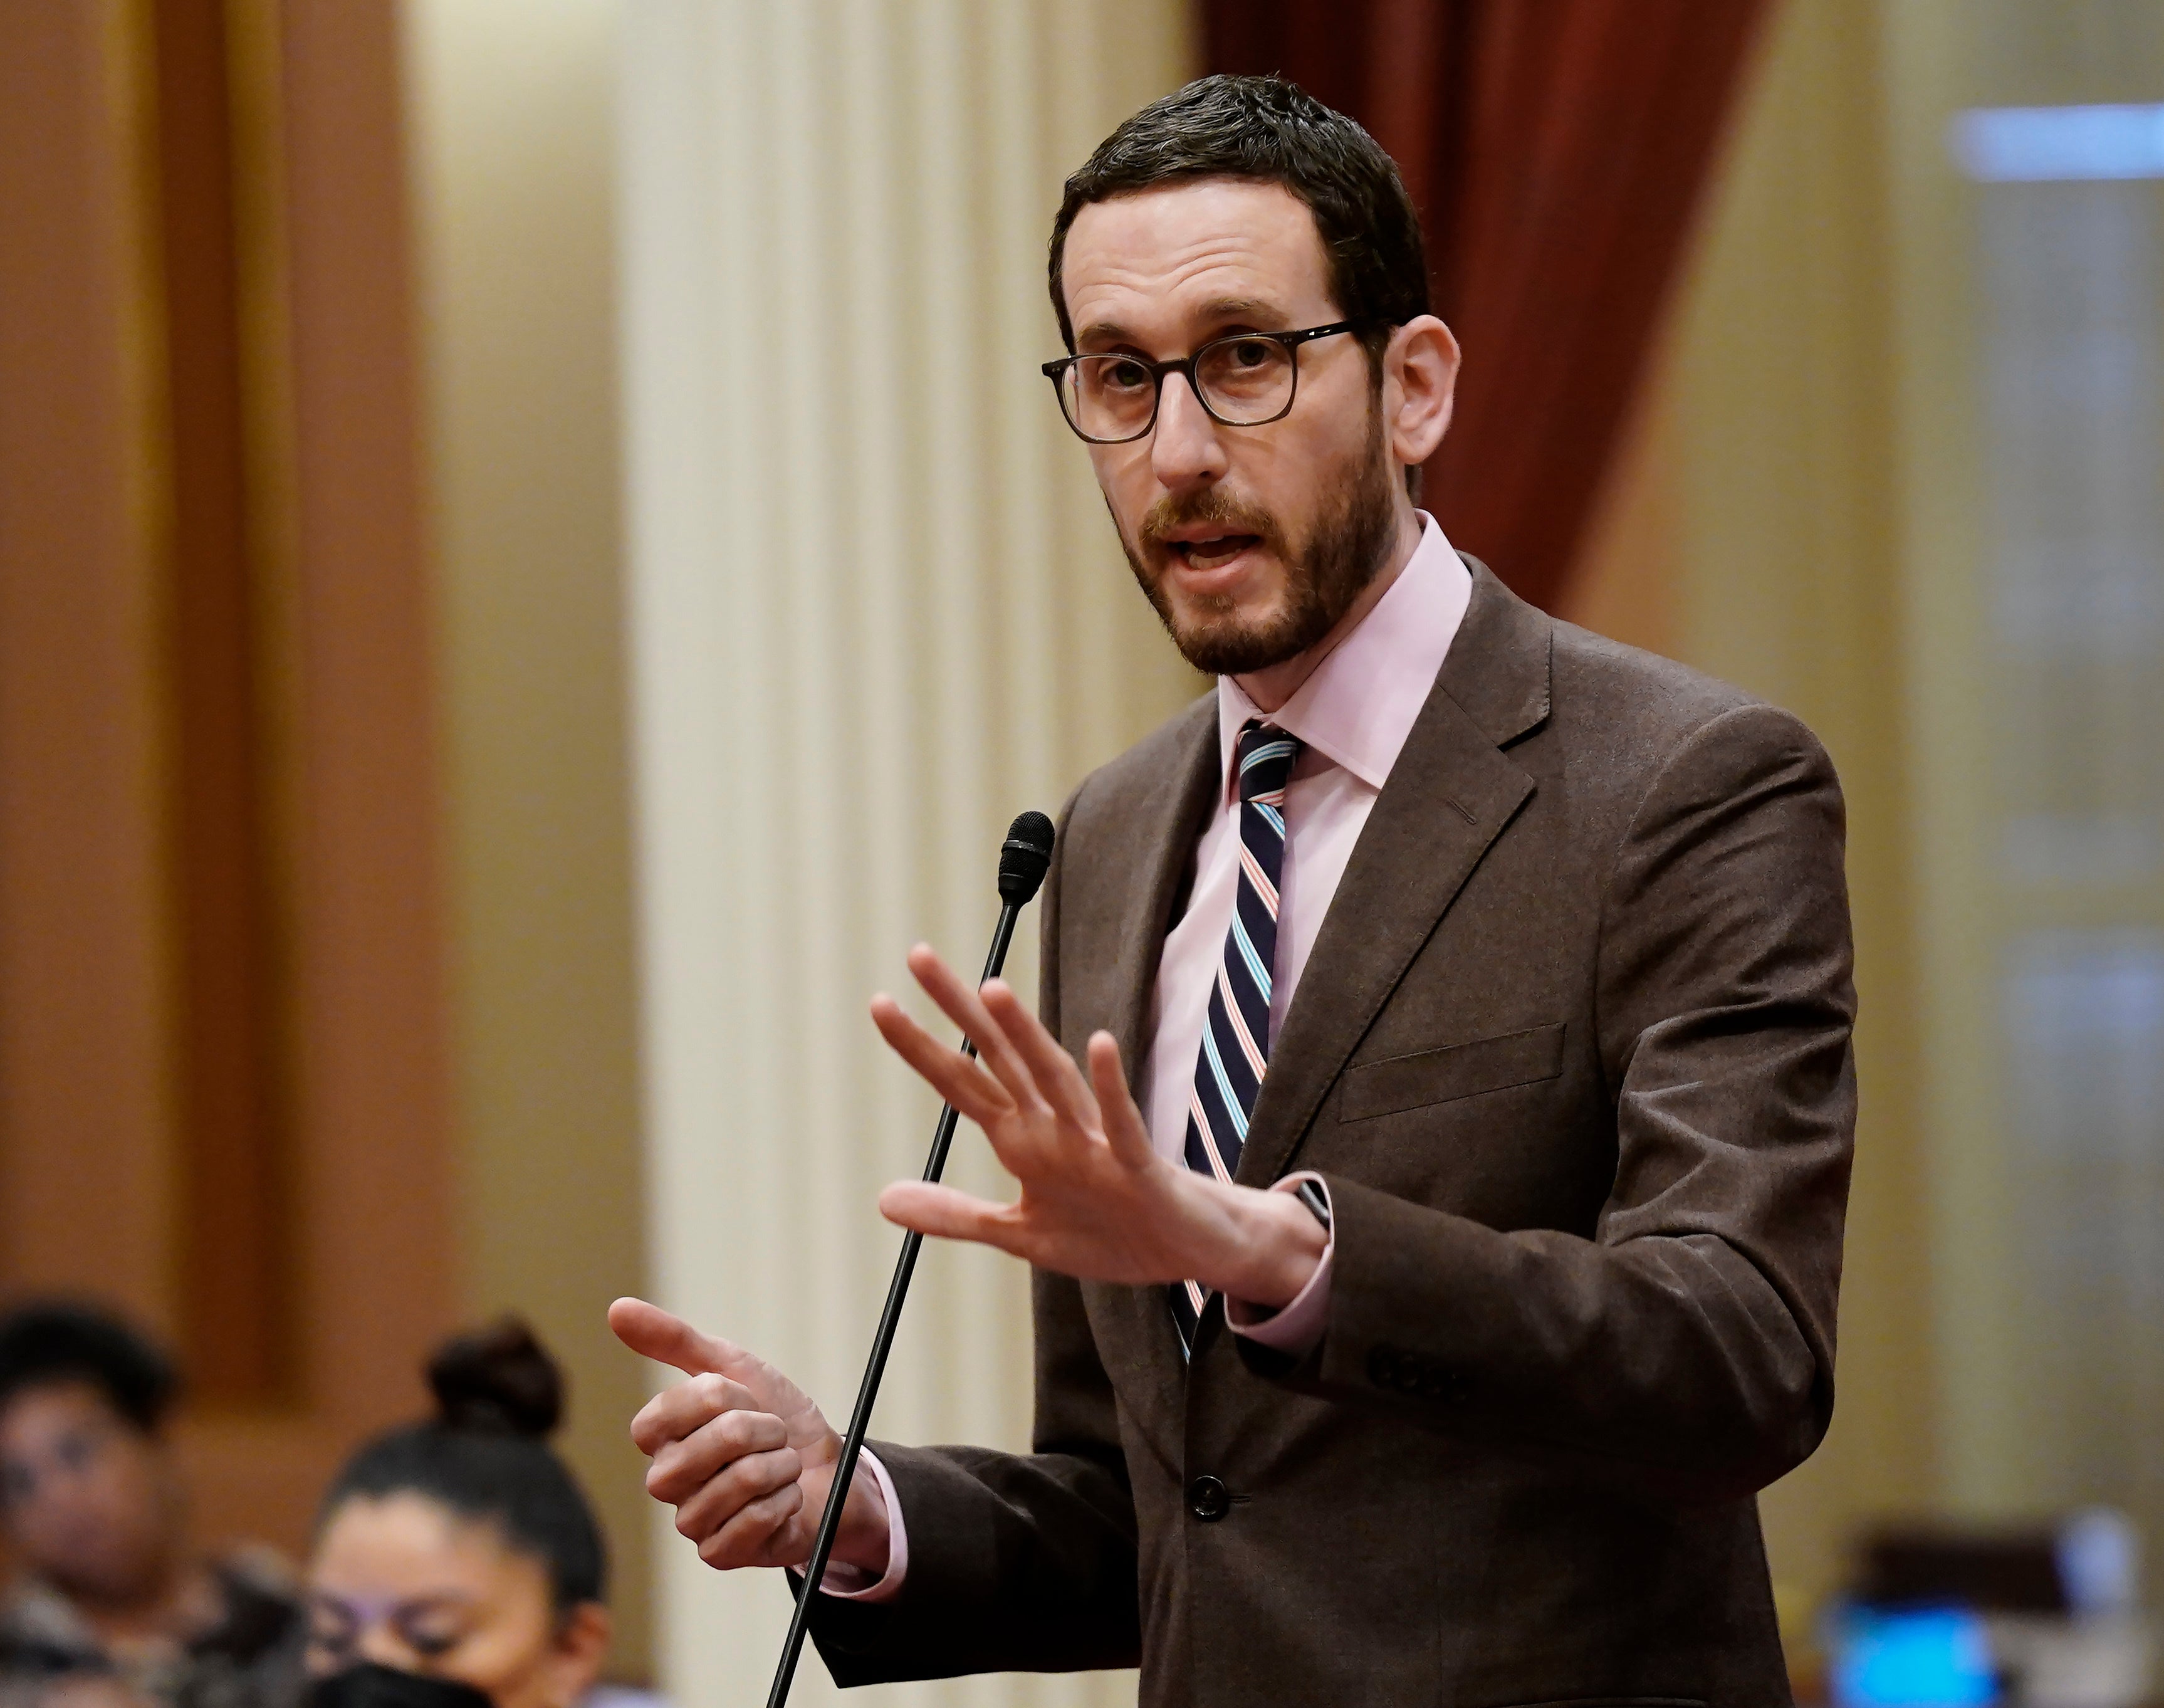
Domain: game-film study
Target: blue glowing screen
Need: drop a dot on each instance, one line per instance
(1931, 1658)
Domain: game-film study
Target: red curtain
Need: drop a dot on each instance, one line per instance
(1556, 149)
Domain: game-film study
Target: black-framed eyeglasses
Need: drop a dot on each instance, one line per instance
(1244, 379)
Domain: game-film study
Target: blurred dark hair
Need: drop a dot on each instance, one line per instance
(1268, 131)
(485, 1455)
(57, 1342)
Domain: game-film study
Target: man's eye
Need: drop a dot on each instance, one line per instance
(1251, 352)
(1124, 376)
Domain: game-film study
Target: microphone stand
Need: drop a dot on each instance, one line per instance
(1023, 858)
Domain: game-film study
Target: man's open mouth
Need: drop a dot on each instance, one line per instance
(1214, 552)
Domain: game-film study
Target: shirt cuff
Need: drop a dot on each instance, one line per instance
(855, 1583)
(1297, 1328)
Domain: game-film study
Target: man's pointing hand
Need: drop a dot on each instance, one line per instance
(742, 1452)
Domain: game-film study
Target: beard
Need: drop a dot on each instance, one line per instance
(1325, 572)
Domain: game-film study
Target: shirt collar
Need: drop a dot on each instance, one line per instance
(1359, 704)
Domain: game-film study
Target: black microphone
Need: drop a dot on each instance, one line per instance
(1024, 857)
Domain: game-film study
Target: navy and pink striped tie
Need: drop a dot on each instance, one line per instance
(1236, 1044)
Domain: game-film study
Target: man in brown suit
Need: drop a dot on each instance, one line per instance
(1434, 1145)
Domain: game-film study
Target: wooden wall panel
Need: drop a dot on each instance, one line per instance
(83, 1177)
(223, 1086)
(380, 1272)
(233, 1140)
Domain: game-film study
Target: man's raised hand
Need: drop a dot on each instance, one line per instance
(1096, 1201)
(742, 1452)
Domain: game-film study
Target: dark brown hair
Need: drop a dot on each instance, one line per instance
(1268, 131)
(63, 1341)
(485, 1455)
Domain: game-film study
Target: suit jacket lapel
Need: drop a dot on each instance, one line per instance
(1169, 822)
(1447, 798)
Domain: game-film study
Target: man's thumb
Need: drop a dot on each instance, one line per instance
(667, 1338)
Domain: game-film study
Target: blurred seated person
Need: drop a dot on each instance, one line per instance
(67, 1682)
(40, 1677)
(457, 1562)
(109, 1601)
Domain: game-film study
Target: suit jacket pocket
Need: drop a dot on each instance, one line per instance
(1454, 1071)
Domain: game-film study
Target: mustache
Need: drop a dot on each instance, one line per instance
(1211, 505)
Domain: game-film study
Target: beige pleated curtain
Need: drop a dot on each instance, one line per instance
(877, 610)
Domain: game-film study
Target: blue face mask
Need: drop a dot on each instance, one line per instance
(367, 1685)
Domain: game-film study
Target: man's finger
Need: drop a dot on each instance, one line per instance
(944, 1213)
(668, 1339)
(1058, 1078)
(965, 1007)
(1125, 1129)
(683, 1408)
(685, 1463)
(757, 1536)
(709, 1508)
(957, 1078)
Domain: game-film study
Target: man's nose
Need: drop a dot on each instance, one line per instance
(1184, 449)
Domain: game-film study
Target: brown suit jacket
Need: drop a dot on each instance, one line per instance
(1572, 1051)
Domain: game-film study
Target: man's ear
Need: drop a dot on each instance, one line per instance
(1420, 386)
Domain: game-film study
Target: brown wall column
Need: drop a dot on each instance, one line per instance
(83, 1178)
(224, 1078)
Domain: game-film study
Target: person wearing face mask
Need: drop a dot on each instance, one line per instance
(457, 1562)
(109, 1601)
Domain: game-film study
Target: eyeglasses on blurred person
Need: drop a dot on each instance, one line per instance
(109, 1603)
(456, 1560)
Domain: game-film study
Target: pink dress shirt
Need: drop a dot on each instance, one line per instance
(1353, 713)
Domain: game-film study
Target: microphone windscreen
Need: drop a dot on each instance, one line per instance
(1024, 858)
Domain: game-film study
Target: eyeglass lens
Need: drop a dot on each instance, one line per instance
(1243, 381)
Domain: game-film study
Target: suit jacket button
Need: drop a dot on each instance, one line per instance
(1208, 1499)
(1383, 1367)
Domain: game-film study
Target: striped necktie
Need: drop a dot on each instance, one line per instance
(1236, 1042)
